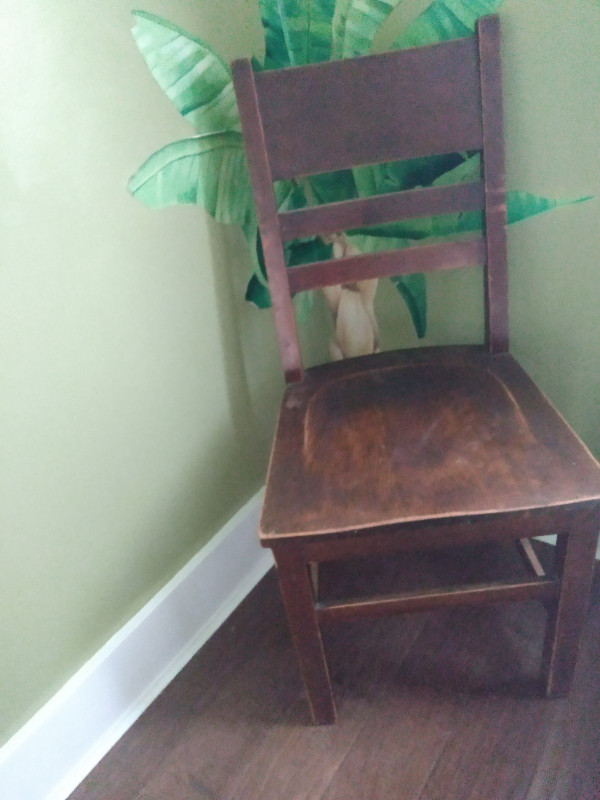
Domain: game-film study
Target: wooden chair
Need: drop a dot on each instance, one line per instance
(415, 449)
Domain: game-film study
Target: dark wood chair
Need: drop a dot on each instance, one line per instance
(417, 449)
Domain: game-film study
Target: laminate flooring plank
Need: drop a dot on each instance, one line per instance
(255, 738)
(493, 751)
(300, 762)
(264, 692)
(140, 754)
(487, 660)
(507, 732)
(439, 706)
(404, 738)
(297, 762)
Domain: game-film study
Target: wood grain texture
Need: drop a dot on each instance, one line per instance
(414, 449)
(297, 593)
(494, 172)
(567, 615)
(266, 212)
(425, 258)
(414, 602)
(380, 209)
(426, 101)
(432, 706)
(448, 432)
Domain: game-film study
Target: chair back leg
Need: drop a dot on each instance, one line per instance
(575, 556)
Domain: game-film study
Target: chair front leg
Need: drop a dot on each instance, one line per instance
(575, 554)
(297, 594)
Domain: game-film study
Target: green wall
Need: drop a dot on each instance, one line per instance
(139, 390)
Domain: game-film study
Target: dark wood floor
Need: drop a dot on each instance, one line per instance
(438, 706)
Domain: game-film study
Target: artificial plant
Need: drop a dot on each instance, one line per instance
(210, 168)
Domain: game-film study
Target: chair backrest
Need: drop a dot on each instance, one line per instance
(400, 105)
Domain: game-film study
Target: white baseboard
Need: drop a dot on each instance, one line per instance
(60, 745)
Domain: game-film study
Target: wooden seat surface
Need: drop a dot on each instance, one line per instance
(416, 435)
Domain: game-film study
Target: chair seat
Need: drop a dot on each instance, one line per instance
(417, 435)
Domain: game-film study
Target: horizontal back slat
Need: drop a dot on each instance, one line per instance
(427, 258)
(400, 105)
(381, 209)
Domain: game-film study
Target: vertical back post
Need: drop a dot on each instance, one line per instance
(266, 211)
(496, 271)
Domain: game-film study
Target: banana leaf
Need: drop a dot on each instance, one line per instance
(338, 27)
(195, 79)
(411, 173)
(398, 176)
(355, 24)
(413, 289)
(366, 179)
(276, 49)
(329, 187)
(301, 252)
(288, 195)
(443, 20)
(257, 290)
(296, 31)
(468, 169)
(520, 206)
(303, 304)
(306, 251)
(208, 170)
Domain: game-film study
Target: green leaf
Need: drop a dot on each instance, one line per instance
(257, 293)
(356, 23)
(320, 29)
(399, 176)
(445, 19)
(364, 21)
(521, 205)
(413, 289)
(366, 179)
(296, 31)
(303, 252)
(288, 196)
(297, 252)
(209, 170)
(276, 49)
(303, 304)
(467, 170)
(330, 187)
(195, 79)
(411, 173)
(340, 17)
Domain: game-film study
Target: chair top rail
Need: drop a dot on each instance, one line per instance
(393, 106)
